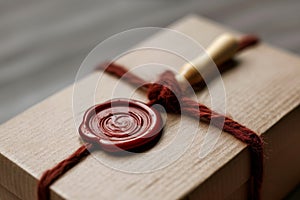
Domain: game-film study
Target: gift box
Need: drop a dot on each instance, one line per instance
(262, 93)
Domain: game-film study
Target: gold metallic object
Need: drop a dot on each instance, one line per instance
(221, 50)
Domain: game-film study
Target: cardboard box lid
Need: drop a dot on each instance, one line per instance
(263, 88)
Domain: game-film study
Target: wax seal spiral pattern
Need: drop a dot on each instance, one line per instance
(120, 124)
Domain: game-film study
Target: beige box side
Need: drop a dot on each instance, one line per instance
(7, 195)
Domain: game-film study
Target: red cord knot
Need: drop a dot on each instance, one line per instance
(166, 92)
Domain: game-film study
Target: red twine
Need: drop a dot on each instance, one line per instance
(167, 92)
(51, 175)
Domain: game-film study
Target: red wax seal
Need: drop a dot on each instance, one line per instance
(120, 124)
